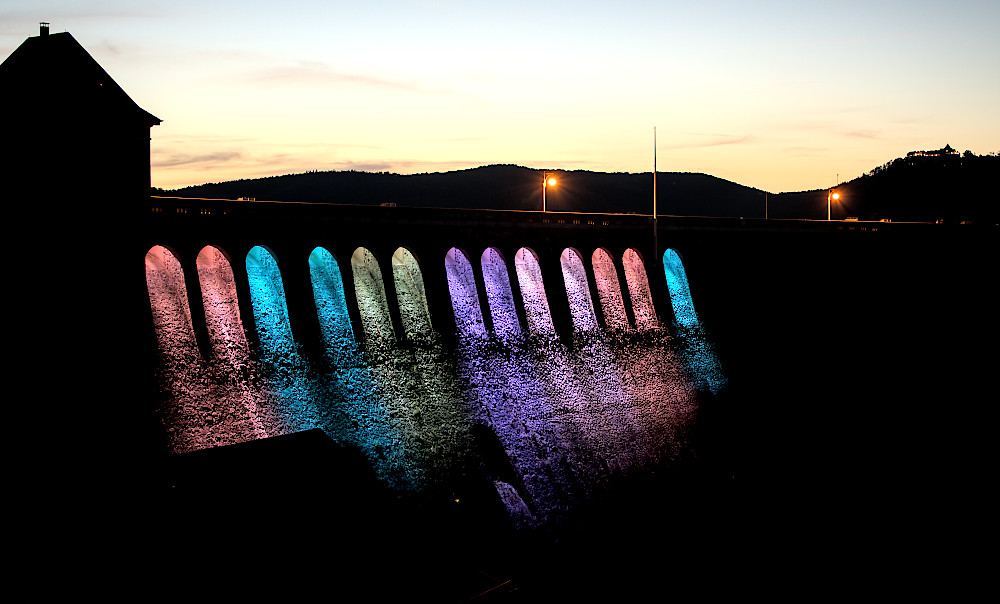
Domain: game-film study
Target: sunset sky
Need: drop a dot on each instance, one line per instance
(781, 96)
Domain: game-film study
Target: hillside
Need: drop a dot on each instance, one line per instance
(951, 188)
(502, 187)
(919, 188)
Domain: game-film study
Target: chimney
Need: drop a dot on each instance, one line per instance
(43, 28)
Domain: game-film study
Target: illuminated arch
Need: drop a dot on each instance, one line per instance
(169, 304)
(211, 402)
(222, 309)
(638, 289)
(609, 290)
(680, 292)
(464, 296)
(581, 306)
(267, 296)
(536, 304)
(499, 294)
(328, 293)
(372, 304)
(413, 310)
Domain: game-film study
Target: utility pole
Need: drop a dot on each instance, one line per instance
(656, 248)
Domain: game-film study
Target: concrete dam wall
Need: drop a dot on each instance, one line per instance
(572, 376)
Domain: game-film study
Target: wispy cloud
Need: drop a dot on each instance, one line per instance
(365, 166)
(707, 140)
(805, 151)
(867, 134)
(207, 160)
(316, 73)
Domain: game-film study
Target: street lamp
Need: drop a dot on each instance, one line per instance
(831, 196)
(548, 180)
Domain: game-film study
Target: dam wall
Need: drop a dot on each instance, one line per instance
(800, 376)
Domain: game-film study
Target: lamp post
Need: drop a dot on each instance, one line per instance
(831, 196)
(548, 180)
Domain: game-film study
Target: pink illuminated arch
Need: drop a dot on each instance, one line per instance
(638, 290)
(169, 304)
(222, 309)
(609, 290)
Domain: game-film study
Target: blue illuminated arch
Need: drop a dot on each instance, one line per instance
(680, 291)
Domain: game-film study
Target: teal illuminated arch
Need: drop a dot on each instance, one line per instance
(680, 292)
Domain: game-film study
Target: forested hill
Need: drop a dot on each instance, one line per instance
(919, 188)
(502, 187)
(949, 188)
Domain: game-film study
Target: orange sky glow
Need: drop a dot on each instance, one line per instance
(782, 96)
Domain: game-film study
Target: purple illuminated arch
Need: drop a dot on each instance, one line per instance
(536, 304)
(581, 306)
(499, 294)
(464, 297)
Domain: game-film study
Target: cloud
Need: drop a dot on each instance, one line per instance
(362, 166)
(713, 140)
(207, 160)
(316, 73)
(806, 151)
(867, 134)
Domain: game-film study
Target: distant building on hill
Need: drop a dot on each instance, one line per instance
(71, 133)
(947, 151)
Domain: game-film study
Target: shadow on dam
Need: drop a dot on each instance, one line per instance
(854, 420)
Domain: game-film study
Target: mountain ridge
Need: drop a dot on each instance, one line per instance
(950, 188)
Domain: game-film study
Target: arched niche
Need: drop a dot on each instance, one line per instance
(581, 306)
(638, 288)
(536, 304)
(464, 295)
(499, 294)
(410, 294)
(372, 304)
(328, 294)
(609, 290)
(680, 291)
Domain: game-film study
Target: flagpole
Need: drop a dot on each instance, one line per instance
(656, 249)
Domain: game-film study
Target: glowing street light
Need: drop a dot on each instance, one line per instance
(548, 180)
(831, 196)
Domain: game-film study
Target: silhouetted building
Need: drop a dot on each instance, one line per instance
(70, 133)
(944, 152)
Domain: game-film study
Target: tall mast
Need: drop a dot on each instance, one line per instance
(656, 245)
(654, 172)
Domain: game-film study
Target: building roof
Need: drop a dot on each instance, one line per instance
(946, 150)
(54, 72)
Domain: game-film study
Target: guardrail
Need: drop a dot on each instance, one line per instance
(162, 206)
